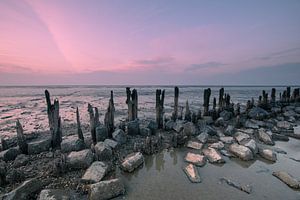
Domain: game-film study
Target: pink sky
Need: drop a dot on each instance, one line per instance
(145, 38)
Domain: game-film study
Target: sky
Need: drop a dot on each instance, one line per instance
(192, 42)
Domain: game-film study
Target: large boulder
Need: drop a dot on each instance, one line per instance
(203, 137)
(227, 139)
(226, 115)
(251, 144)
(40, 145)
(169, 125)
(217, 145)
(9, 154)
(95, 172)
(103, 151)
(241, 137)
(210, 130)
(80, 159)
(284, 125)
(192, 173)
(72, 143)
(230, 130)
(111, 143)
(26, 190)
(133, 127)
(241, 151)
(264, 137)
(194, 145)
(101, 133)
(14, 176)
(189, 129)
(258, 113)
(213, 155)
(287, 179)
(145, 131)
(106, 189)
(153, 126)
(120, 136)
(21, 160)
(132, 161)
(268, 154)
(196, 159)
(56, 194)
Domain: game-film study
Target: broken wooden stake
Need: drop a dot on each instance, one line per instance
(160, 96)
(110, 116)
(132, 102)
(79, 130)
(175, 113)
(21, 139)
(207, 93)
(187, 115)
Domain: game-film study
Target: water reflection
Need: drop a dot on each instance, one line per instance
(160, 161)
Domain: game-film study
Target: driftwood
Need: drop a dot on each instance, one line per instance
(132, 102)
(221, 99)
(79, 130)
(207, 93)
(94, 120)
(187, 115)
(175, 113)
(110, 116)
(54, 121)
(273, 96)
(160, 96)
(21, 139)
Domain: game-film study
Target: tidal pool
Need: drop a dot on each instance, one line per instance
(162, 177)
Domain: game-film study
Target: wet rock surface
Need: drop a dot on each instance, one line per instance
(106, 189)
(192, 173)
(131, 162)
(287, 179)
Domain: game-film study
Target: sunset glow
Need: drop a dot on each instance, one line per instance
(147, 42)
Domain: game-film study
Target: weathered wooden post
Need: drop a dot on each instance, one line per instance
(273, 96)
(288, 93)
(175, 112)
(207, 93)
(221, 98)
(54, 121)
(214, 103)
(238, 110)
(199, 114)
(4, 144)
(79, 130)
(160, 96)
(295, 96)
(92, 123)
(21, 139)
(187, 115)
(132, 102)
(227, 101)
(110, 116)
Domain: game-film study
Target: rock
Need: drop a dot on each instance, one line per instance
(189, 129)
(241, 151)
(226, 153)
(287, 179)
(241, 137)
(220, 121)
(21, 160)
(194, 145)
(280, 137)
(145, 131)
(106, 189)
(268, 154)
(229, 131)
(227, 139)
(3, 167)
(103, 152)
(247, 131)
(9, 154)
(14, 176)
(169, 125)
(196, 159)
(101, 133)
(297, 110)
(251, 144)
(80, 159)
(251, 124)
(244, 188)
(95, 172)
(153, 126)
(132, 161)
(258, 113)
(178, 126)
(217, 145)
(210, 130)
(284, 125)
(38, 146)
(120, 136)
(25, 190)
(226, 115)
(264, 137)
(111, 143)
(297, 130)
(56, 194)
(213, 155)
(202, 137)
(289, 113)
(72, 143)
(192, 173)
(208, 119)
(133, 127)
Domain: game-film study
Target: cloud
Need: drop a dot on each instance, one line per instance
(12, 68)
(196, 67)
(279, 53)
(155, 61)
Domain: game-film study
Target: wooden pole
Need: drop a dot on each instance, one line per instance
(21, 139)
(110, 115)
(79, 130)
(160, 96)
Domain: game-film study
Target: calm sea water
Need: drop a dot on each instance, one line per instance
(27, 103)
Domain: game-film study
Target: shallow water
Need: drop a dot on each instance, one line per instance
(162, 177)
(27, 103)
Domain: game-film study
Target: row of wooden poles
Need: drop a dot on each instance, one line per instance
(132, 103)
